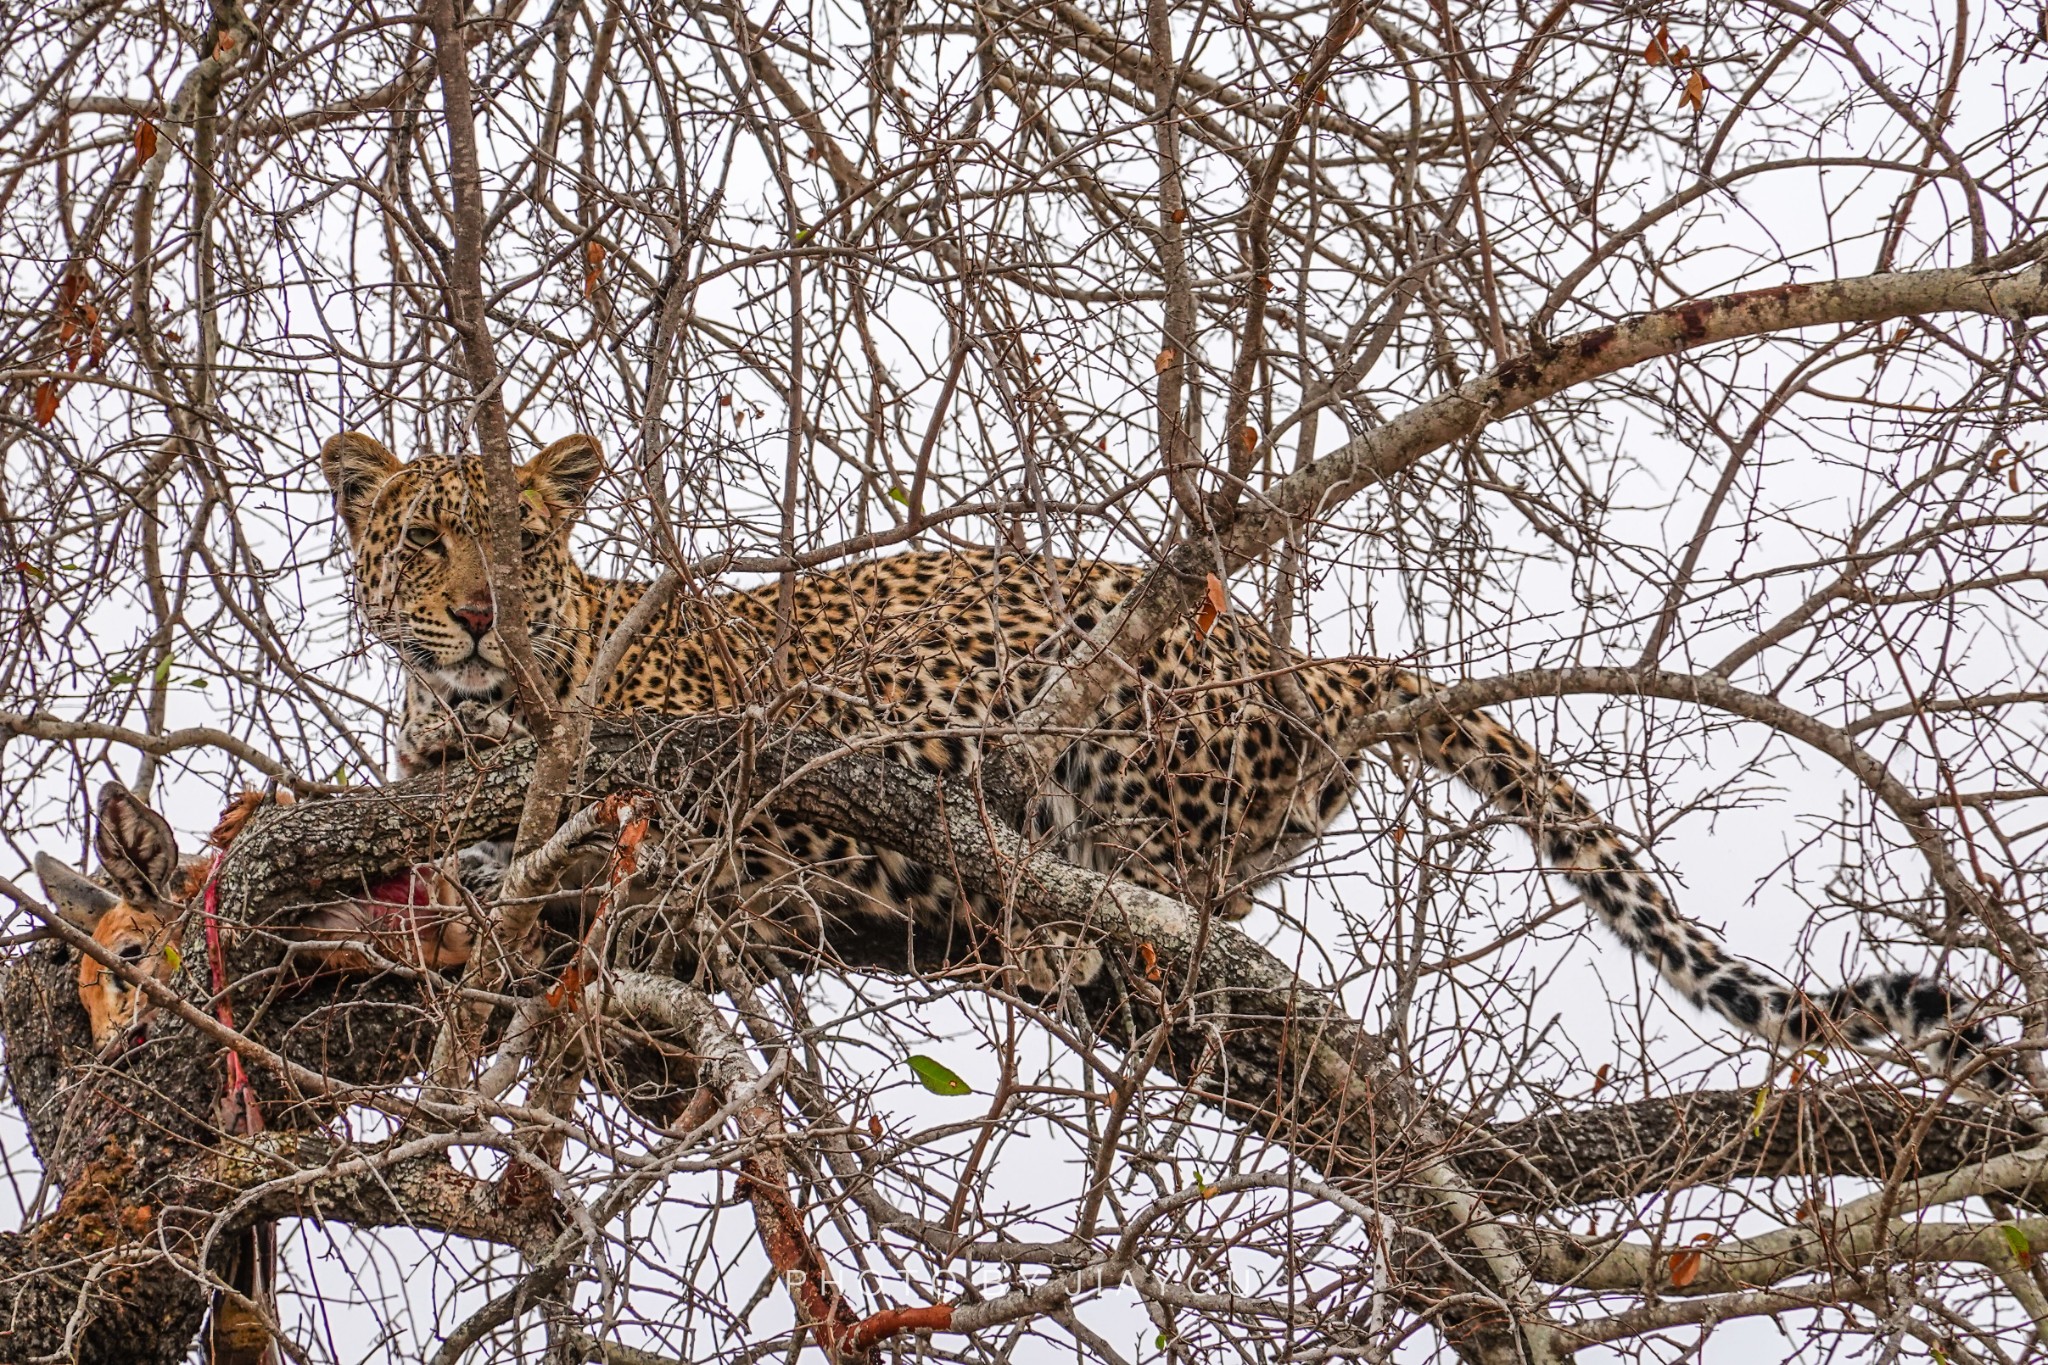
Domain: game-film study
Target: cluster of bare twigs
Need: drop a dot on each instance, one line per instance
(1670, 376)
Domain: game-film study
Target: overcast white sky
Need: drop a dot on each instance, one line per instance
(1755, 870)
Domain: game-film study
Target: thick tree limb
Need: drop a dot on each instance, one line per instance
(323, 848)
(310, 1174)
(1071, 695)
(1827, 1240)
(1550, 369)
(115, 1272)
(1215, 967)
(1598, 1153)
(1296, 1067)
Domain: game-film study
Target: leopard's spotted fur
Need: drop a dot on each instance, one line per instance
(1208, 775)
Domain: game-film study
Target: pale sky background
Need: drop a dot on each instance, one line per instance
(1755, 871)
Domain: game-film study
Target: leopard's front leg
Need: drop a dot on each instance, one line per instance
(433, 732)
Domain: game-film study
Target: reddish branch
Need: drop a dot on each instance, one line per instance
(730, 1073)
(790, 1250)
(877, 1327)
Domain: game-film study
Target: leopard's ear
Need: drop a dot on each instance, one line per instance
(356, 466)
(136, 845)
(563, 474)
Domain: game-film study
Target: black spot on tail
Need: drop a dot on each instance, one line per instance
(1562, 845)
(1970, 1045)
(1802, 1023)
(1739, 1001)
(1930, 1003)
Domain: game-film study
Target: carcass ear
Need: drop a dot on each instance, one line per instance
(76, 897)
(136, 844)
(563, 474)
(356, 466)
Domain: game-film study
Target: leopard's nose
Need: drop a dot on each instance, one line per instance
(475, 618)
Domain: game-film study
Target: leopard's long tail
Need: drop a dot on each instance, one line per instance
(1921, 1012)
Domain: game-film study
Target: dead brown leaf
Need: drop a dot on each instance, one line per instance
(1214, 603)
(1685, 1265)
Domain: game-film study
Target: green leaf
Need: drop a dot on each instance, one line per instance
(198, 682)
(163, 671)
(936, 1077)
(173, 956)
(1756, 1109)
(900, 496)
(2022, 1250)
(120, 679)
(341, 774)
(1160, 1341)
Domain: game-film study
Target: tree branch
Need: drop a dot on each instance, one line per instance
(1072, 693)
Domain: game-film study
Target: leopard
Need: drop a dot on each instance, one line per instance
(1220, 756)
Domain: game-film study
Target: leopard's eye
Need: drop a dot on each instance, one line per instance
(529, 540)
(424, 537)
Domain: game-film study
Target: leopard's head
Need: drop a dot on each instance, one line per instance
(418, 529)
